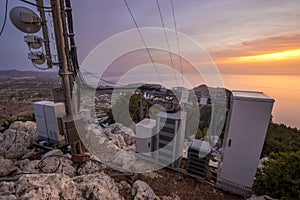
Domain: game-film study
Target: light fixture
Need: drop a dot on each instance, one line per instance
(37, 57)
(33, 41)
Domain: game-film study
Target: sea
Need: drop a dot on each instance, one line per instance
(285, 89)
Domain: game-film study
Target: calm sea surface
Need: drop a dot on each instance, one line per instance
(285, 89)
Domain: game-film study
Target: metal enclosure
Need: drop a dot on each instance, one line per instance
(46, 114)
(170, 137)
(145, 131)
(246, 128)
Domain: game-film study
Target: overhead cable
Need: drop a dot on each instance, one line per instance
(166, 37)
(141, 35)
(5, 17)
(177, 39)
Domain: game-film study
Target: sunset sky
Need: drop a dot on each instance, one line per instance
(259, 36)
(241, 37)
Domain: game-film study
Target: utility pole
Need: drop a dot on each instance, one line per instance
(60, 45)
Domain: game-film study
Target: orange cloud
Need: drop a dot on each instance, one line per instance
(259, 47)
(268, 57)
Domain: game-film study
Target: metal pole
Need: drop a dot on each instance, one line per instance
(60, 45)
(45, 32)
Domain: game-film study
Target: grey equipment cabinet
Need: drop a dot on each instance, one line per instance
(246, 128)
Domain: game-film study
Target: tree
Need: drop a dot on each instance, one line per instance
(127, 103)
(280, 177)
(281, 138)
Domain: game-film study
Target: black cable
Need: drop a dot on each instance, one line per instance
(177, 39)
(139, 31)
(166, 37)
(33, 4)
(41, 167)
(106, 81)
(5, 17)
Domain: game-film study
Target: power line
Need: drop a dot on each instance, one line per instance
(5, 17)
(91, 74)
(33, 4)
(163, 24)
(177, 39)
(139, 31)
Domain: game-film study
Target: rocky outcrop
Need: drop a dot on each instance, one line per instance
(46, 186)
(60, 186)
(55, 176)
(17, 140)
(118, 129)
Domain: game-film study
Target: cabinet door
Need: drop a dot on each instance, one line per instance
(245, 138)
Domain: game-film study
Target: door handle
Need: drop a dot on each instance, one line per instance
(229, 143)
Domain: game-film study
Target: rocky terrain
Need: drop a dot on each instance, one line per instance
(30, 173)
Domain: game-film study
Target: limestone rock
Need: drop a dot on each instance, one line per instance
(55, 152)
(94, 137)
(141, 190)
(119, 129)
(8, 197)
(89, 167)
(124, 189)
(6, 189)
(125, 159)
(15, 125)
(17, 139)
(46, 186)
(5, 164)
(58, 164)
(118, 140)
(123, 185)
(29, 166)
(97, 186)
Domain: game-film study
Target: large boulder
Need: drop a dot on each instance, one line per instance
(15, 141)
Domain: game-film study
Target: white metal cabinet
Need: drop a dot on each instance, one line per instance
(246, 129)
(46, 113)
(145, 130)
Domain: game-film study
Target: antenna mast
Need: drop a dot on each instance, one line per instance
(60, 45)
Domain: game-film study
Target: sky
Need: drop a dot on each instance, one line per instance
(257, 37)
(233, 32)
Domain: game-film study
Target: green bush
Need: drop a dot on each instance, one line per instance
(280, 177)
(281, 138)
